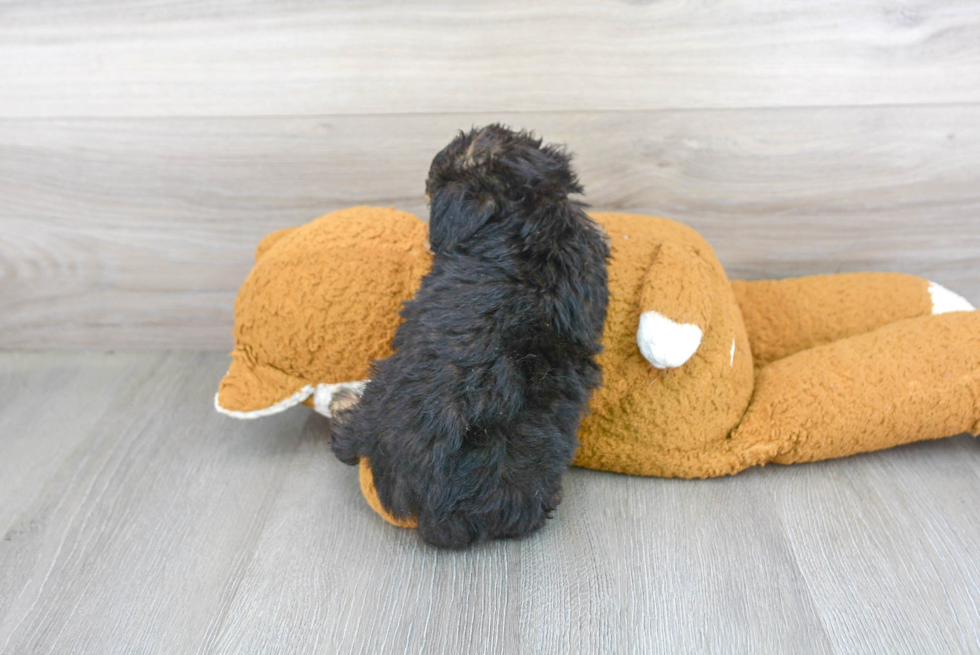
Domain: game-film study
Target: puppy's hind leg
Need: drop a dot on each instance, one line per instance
(347, 425)
(509, 513)
(454, 532)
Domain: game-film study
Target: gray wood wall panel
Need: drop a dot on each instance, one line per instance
(141, 521)
(138, 232)
(146, 146)
(116, 58)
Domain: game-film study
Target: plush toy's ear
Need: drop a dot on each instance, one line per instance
(270, 240)
(455, 215)
(675, 306)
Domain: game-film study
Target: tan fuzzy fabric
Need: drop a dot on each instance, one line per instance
(677, 284)
(253, 386)
(911, 380)
(785, 316)
(322, 302)
(645, 421)
(786, 371)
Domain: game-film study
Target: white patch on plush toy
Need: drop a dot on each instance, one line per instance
(664, 343)
(945, 301)
(324, 394)
(280, 406)
(731, 361)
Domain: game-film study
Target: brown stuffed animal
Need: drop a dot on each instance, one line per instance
(701, 376)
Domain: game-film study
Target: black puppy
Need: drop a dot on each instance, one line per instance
(470, 424)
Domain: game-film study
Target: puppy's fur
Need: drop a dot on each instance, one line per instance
(470, 424)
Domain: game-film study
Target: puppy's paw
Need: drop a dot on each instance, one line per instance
(329, 399)
(448, 532)
(664, 343)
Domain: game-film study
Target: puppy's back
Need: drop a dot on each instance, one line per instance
(470, 424)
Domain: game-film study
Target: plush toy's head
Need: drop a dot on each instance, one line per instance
(320, 304)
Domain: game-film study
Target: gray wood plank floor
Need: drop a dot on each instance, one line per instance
(137, 520)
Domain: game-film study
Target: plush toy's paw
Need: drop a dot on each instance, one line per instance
(664, 343)
(945, 301)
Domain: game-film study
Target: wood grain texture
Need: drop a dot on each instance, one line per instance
(148, 58)
(137, 520)
(129, 535)
(137, 233)
(873, 509)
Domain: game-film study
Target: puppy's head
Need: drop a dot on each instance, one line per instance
(489, 172)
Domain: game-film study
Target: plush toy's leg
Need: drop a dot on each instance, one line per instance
(786, 316)
(911, 380)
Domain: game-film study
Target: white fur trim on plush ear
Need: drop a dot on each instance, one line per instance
(324, 394)
(945, 301)
(664, 343)
(280, 406)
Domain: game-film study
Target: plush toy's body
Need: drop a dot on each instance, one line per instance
(676, 361)
(701, 376)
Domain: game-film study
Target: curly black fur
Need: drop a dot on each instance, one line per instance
(470, 424)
